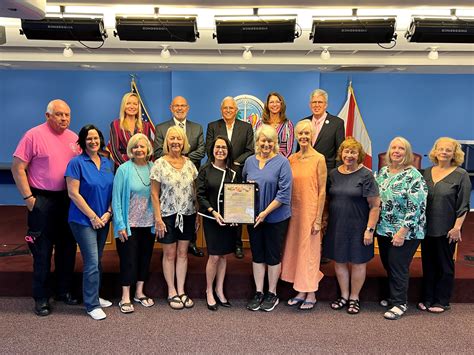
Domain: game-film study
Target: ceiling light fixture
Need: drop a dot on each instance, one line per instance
(68, 52)
(325, 55)
(433, 54)
(165, 53)
(247, 54)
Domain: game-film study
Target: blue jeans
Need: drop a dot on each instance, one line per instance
(91, 242)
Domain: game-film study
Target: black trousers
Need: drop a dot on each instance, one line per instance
(437, 256)
(396, 261)
(135, 256)
(48, 228)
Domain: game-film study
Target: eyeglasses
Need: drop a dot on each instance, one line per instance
(180, 106)
(229, 108)
(318, 102)
(220, 147)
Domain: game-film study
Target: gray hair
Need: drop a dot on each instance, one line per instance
(319, 92)
(270, 133)
(302, 125)
(408, 159)
(134, 141)
(50, 107)
(228, 98)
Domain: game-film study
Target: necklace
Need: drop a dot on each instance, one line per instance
(139, 176)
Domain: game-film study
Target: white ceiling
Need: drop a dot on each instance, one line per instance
(206, 54)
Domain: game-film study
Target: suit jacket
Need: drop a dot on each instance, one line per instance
(329, 139)
(195, 136)
(242, 141)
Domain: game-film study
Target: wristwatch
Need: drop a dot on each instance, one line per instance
(371, 230)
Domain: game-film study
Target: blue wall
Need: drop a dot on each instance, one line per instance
(419, 107)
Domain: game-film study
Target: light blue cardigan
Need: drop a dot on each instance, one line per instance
(121, 198)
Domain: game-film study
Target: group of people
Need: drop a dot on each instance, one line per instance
(320, 201)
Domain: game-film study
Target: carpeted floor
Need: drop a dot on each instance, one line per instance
(285, 330)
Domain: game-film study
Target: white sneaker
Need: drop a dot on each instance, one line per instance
(97, 314)
(104, 303)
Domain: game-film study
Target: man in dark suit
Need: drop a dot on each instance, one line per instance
(179, 108)
(240, 134)
(329, 129)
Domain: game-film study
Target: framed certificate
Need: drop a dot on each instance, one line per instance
(239, 203)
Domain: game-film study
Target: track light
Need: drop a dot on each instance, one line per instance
(433, 54)
(325, 55)
(247, 54)
(165, 53)
(68, 52)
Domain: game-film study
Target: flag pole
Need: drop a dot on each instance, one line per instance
(134, 89)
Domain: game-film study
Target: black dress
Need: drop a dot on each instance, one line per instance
(348, 216)
(220, 240)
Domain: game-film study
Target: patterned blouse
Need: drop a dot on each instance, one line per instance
(177, 193)
(403, 197)
(119, 138)
(286, 136)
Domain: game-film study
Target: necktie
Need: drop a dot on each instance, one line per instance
(181, 125)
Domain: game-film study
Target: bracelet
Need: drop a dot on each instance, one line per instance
(212, 210)
(27, 197)
(109, 212)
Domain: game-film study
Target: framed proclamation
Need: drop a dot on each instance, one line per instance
(239, 203)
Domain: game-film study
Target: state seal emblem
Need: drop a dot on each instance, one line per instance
(250, 109)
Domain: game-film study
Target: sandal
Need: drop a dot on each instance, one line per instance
(144, 301)
(295, 302)
(338, 304)
(441, 308)
(422, 306)
(396, 312)
(353, 307)
(307, 305)
(187, 302)
(175, 302)
(126, 307)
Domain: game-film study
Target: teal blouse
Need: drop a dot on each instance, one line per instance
(403, 197)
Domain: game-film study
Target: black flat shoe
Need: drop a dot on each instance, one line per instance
(68, 299)
(212, 307)
(42, 308)
(193, 249)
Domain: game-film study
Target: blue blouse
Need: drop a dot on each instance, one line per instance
(95, 186)
(124, 182)
(403, 197)
(274, 183)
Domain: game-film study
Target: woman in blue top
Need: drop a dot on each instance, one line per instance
(402, 221)
(89, 179)
(133, 220)
(272, 173)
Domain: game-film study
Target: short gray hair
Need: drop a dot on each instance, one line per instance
(228, 98)
(304, 124)
(319, 92)
(270, 133)
(134, 141)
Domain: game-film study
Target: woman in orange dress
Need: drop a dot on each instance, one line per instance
(302, 251)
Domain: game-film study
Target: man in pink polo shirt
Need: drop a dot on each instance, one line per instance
(39, 164)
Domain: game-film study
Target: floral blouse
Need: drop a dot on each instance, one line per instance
(177, 193)
(403, 197)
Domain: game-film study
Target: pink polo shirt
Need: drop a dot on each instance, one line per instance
(47, 154)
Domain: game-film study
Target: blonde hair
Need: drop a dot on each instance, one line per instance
(270, 133)
(181, 134)
(408, 159)
(138, 117)
(302, 125)
(351, 143)
(134, 141)
(458, 154)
